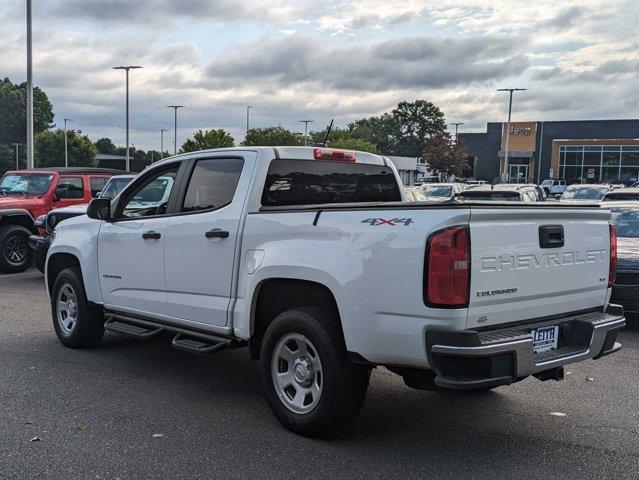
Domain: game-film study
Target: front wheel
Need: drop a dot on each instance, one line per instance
(77, 323)
(311, 386)
(15, 253)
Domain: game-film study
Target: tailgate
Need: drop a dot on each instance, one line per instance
(513, 278)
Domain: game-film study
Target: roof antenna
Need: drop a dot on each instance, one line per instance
(328, 132)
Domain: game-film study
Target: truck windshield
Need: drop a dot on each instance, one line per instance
(114, 186)
(438, 191)
(626, 221)
(14, 183)
(584, 193)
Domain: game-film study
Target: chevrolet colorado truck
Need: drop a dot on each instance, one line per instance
(27, 194)
(312, 258)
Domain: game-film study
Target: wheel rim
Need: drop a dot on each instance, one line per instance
(67, 308)
(297, 374)
(15, 250)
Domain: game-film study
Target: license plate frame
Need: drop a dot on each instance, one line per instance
(545, 338)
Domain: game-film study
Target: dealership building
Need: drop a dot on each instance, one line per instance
(585, 151)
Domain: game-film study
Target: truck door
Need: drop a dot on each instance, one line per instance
(203, 237)
(131, 246)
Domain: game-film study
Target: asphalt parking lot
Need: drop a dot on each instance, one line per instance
(144, 410)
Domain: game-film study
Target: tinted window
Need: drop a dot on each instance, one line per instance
(212, 184)
(492, 196)
(70, 187)
(622, 196)
(627, 222)
(151, 197)
(308, 182)
(97, 184)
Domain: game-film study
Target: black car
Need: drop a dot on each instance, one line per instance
(626, 288)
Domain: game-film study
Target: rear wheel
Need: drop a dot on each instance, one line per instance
(311, 386)
(15, 253)
(77, 323)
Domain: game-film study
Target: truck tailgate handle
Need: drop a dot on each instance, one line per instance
(551, 236)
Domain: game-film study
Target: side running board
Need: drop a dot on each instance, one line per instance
(187, 340)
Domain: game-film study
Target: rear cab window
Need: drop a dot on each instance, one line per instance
(315, 182)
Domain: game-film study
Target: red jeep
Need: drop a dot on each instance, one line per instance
(27, 194)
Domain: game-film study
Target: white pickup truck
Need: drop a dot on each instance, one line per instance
(311, 258)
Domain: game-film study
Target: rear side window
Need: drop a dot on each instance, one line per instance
(212, 184)
(97, 184)
(309, 182)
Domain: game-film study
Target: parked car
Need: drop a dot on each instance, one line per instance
(442, 191)
(504, 192)
(594, 192)
(622, 195)
(45, 224)
(476, 182)
(27, 194)
(625, 291)
(293, 252)
(553, 187)
(413, 194)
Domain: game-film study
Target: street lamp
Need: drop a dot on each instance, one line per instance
(66, 150)
(29, 89)
(457, 124)
(306, 122)
(510, 108)
(162, 142)
(17, 162)
(127, 68)
(248, 108)
(175, 108)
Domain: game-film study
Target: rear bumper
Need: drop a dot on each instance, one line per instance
(471, 359)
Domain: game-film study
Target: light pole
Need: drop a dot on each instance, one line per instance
(175, 108)
(126, 68)
(17, 161)
(457, 124)
(29, 88)
(162, 142)
(66, 149)
(306, 122)
(510, 108)
(248, 108)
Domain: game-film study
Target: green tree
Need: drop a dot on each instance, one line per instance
(106, 146)
(404, 131)
(272, 136)
(205, 139)
(49, 149)
(13, 108)
(444, 156)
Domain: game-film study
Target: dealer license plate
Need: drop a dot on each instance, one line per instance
(545, 339)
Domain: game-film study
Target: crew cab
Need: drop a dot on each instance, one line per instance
(313, 260)
(27, 194)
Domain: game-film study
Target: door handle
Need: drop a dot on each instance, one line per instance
(151, 235)
(216, 233)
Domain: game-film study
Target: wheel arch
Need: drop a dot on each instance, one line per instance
(273, 296)
(58, 262)
(17, 217)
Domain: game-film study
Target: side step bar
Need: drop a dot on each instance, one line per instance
(187, 340)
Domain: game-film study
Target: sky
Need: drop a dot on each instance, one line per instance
(316, 60)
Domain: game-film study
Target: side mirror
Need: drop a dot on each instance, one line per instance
(60, 192)
(99, 209)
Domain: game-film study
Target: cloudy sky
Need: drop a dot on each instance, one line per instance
(323, 59)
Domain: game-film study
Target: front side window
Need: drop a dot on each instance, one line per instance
(70, 188)
(151, 197)
(313, 182)
(25, 184)
(212, 184)
(97, 184)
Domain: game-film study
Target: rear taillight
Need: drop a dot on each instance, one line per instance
(447, 275)
(334, 154)
(612, 272)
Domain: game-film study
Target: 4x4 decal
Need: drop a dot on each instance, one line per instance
(393, 222)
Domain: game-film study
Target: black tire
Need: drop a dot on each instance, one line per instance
(39, 259)
(15, 253)
(344, 383)
(88, 327)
